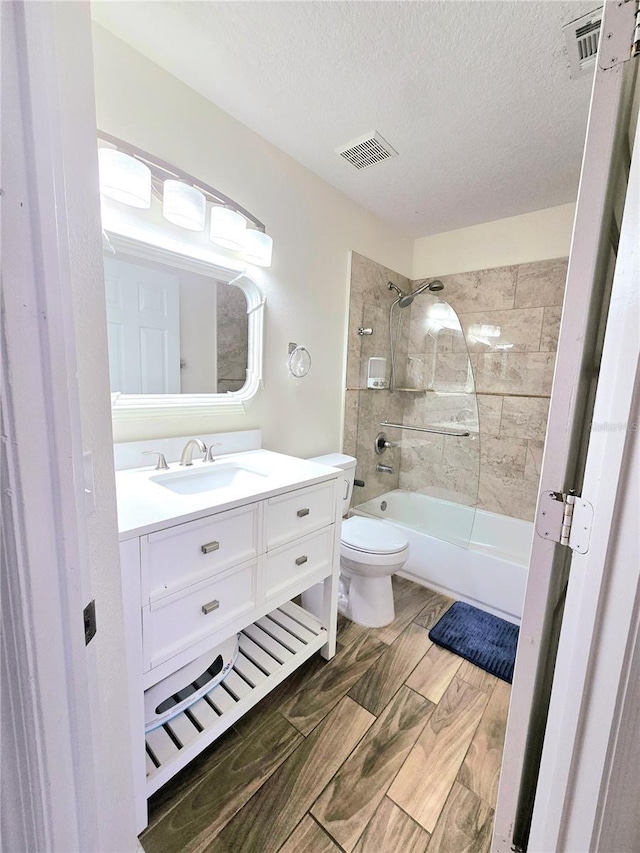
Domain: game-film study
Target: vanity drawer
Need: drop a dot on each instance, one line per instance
(180, 556)
(299, 560)
(297, 513)
(174, 623)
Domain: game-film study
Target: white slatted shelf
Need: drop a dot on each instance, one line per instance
(265, 659)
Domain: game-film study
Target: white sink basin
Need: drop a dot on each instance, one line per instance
(216, 475)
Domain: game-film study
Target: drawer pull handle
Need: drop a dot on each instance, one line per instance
(209, 547)
(210, 607)
(302, 512)
(301, 560)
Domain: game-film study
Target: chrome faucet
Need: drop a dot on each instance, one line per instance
(187, 452)
(210, 457)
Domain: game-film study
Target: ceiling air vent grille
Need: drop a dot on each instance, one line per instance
(582, 38)
(367, 150)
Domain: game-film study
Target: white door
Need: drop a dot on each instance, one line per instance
(143, 323)
(592, 261)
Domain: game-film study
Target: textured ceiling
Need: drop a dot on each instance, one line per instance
(475, 96)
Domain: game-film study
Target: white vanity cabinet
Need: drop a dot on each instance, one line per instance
(188, 585)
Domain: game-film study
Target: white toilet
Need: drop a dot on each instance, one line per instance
(371, 551)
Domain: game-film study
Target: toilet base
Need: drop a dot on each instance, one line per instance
(370, 601)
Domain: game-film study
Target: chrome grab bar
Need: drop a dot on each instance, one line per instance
(459, 434)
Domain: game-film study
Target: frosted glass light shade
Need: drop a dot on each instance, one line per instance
(123, 178)
(183, 205)
(227, 228)
(258, 247)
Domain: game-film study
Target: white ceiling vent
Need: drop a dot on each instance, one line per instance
(582, 38)
(367, 150)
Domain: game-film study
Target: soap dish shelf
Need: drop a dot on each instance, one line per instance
(270, 650)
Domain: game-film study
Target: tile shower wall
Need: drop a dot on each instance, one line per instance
(365, 408)
(510, 317)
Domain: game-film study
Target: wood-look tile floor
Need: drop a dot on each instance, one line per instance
(394, 746)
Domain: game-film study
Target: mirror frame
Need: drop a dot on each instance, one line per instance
(145, 406)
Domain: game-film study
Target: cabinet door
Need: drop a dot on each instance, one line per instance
(180, 556)
(177, 622)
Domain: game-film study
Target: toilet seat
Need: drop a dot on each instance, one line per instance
(372, 536)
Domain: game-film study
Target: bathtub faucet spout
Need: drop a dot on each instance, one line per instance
(384, 469)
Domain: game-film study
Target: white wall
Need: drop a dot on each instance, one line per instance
(538, 236)
(313, 227)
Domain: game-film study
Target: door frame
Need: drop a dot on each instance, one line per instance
(601, 610)
(549, 564)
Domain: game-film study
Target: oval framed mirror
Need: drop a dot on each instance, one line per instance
(185, 334)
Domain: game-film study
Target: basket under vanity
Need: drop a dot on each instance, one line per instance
(200, 568)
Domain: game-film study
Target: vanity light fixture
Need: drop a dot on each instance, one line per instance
(227, 228)
(128, 174)
(124, 179)
(257, 248)
(184, 205)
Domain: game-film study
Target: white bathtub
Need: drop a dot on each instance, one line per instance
(491, 573)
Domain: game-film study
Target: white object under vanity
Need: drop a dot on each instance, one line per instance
(208, 552)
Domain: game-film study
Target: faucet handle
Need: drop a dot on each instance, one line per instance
(161, 463)
(210, 457)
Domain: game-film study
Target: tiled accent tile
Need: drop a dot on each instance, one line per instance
(517, 330)
(524, 417)
(541, 283)
(550, 328)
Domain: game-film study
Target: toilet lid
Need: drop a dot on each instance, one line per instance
(372, 536)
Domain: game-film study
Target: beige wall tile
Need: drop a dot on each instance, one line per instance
(482, 290)
(550, 328)
(490, 411)
(519, 330)
(503, 457)
(419, 452)
(524, 417)
(533, 465)
(513, 496)
(541, 283)
(451, 372)
(463, 452)
(529, 373)
(350, 423)
(442, 481)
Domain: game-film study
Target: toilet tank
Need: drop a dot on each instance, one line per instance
(348, 465)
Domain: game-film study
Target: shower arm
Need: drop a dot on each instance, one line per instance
(458, 434)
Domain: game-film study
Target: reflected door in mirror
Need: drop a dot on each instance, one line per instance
(143, 323)
(172, 330)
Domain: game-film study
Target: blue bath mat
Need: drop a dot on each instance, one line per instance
(479, 637)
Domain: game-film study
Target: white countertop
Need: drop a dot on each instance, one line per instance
(144, 506)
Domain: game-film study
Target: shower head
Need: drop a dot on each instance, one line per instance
(405, 299)
(433, 286)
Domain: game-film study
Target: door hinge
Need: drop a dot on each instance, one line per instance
(566, 518)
